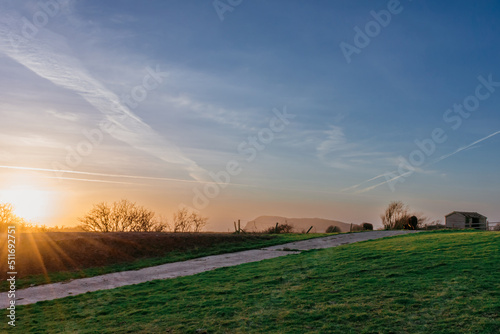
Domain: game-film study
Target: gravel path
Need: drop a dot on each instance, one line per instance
(185, 268)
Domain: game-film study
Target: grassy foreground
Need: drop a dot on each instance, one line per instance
(430, 282)
(244, 242)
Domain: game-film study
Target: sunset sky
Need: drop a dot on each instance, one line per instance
(326, 109)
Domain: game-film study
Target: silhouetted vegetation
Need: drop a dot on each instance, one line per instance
(333, 229)
(185, 221)
(125, 216)
(397, 216)
(367, 226)
(9, 218)
(122, 216)
(434, 227)
(279, 228)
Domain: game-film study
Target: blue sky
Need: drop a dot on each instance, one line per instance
(185, 91)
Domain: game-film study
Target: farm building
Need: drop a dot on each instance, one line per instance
(460, 219)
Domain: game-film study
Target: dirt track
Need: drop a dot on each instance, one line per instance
(41, 253)
(185, 268)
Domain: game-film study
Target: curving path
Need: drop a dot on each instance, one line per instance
(185, 268)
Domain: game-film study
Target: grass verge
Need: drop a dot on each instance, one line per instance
(247, 242)
(417, 283)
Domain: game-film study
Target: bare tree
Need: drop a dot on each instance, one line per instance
(181, 220)
(161, 224)
(8, 217)
(122, 216)
(143, 220)
(198, 221)
(185, 221)
(397, 215)
(98, 219)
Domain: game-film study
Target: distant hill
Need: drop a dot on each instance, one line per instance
(299, 224)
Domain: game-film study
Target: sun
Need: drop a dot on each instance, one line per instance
(28, 202)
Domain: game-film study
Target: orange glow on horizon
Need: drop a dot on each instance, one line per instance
(29, 202)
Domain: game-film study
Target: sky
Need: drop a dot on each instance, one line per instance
(238, 108)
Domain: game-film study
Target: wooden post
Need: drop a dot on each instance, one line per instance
(310, 228)
(239, 228)
(276, 228)
(235, 229)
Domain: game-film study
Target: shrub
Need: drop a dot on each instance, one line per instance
(356, 228)
(367, 227)
(397, 216)
(279, 228)
(435, 227)
(333, 229)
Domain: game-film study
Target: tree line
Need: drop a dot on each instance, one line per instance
(9, 218)
(126, 216)
(120, 216)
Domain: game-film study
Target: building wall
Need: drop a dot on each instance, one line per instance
(458, 220)
(455, 220)
(483, 224)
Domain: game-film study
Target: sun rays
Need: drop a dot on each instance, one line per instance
(29, 202)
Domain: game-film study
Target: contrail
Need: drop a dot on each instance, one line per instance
(87, 180)
(49, 56)
(381, 183)
(137, 177)
(99, 174)
(357, 185)
(441, 158)
(446, 156)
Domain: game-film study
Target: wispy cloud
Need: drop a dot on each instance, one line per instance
(49, 56)
(395, 176)
(334, 150)
(335, 140)
(66, 116)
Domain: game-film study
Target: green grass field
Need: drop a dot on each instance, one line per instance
(430, 282)
(247, 242)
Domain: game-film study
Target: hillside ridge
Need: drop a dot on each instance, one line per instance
(299, 224)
